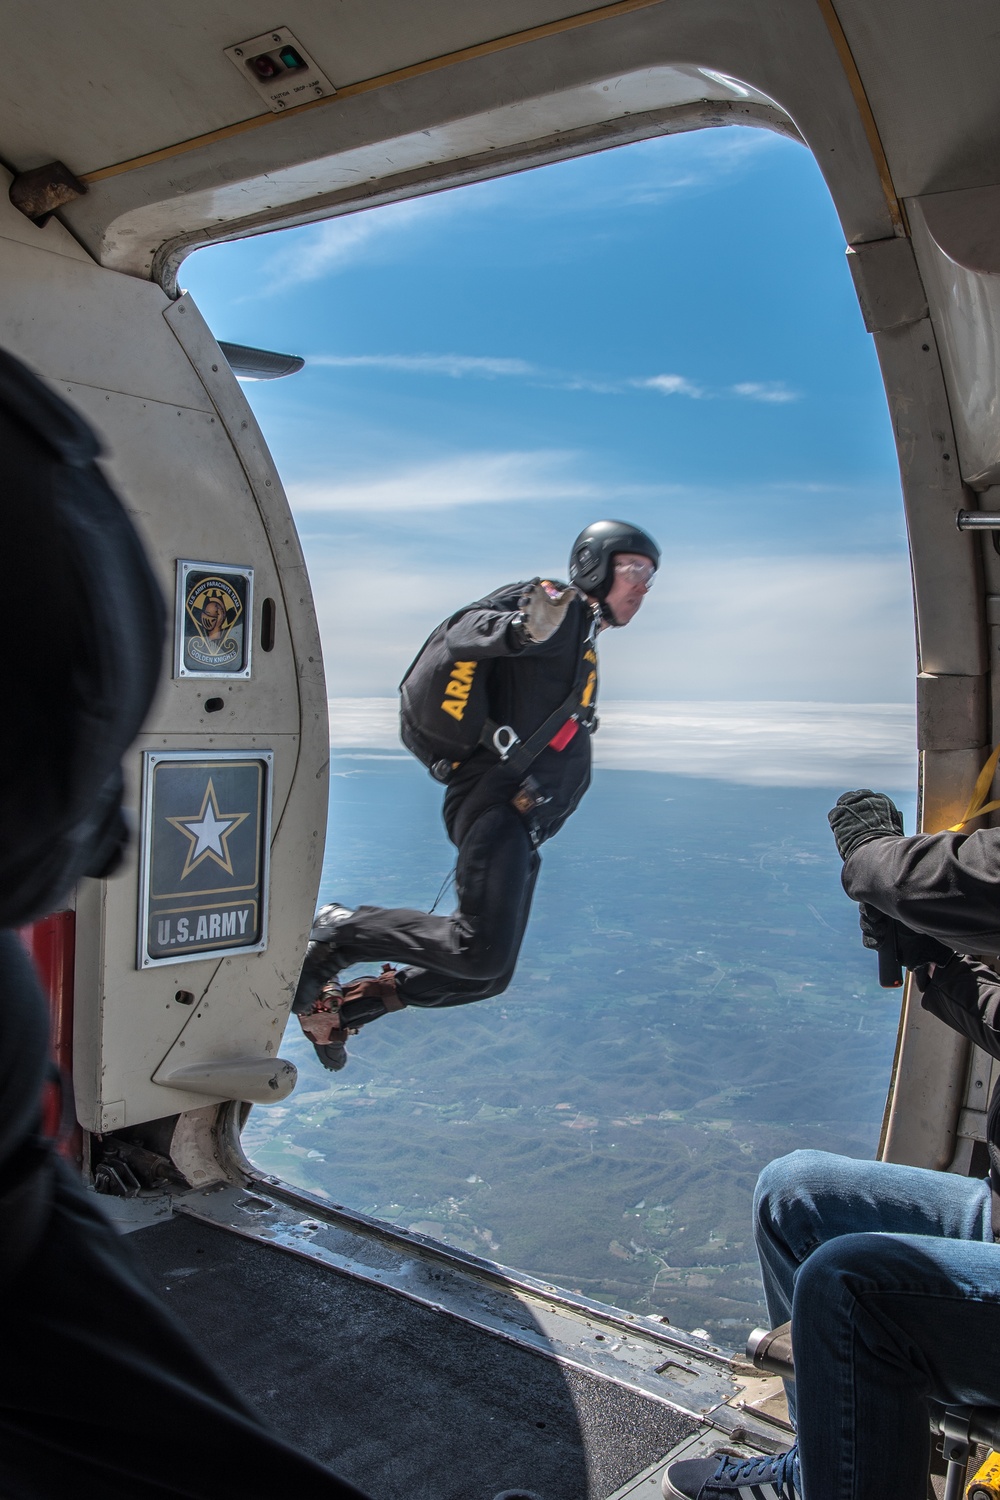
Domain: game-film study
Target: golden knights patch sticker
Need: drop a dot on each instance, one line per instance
(214, 615)
(205, 840)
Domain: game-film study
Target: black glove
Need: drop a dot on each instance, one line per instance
(862, 816)
(913, 949)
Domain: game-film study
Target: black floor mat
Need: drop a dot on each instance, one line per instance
(400, 1400)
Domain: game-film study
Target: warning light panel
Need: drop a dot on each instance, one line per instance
(280, 70)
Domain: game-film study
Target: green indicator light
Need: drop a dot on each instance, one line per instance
(291, 58)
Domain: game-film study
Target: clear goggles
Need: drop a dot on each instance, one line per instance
(636, 572)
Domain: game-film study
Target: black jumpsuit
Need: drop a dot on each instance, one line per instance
(471, 954)
(948, 886)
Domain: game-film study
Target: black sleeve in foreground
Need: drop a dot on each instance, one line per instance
(965, 995)
(943, 884)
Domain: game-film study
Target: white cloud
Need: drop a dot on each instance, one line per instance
(454, 365)
(764, 390)
(764, 743)
(710, 156)
(369, 722)
(467, 479)
(309, 253)
(670, 385)
(663, 188)
(458, 366)
(584, 383)
(755, 743)
(375, 612)
(818, 627)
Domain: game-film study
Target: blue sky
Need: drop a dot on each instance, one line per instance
(666, 332)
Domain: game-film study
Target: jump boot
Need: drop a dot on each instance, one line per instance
(322, 1025)
(340, 1012)
(322, 961)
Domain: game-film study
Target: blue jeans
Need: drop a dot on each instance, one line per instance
(892, 1281)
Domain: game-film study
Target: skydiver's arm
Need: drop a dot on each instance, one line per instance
(493, 626)
(483, 631)
(966, 996)
(943, 884)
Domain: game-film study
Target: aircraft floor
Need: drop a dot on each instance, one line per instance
(399, 1399)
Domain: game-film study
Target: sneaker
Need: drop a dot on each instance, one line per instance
(723, 1477)
(322, 961)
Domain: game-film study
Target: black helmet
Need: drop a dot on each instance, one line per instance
(590, 560)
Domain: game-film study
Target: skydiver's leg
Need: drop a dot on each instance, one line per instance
(102, 1394)
(884, 1324)
(508, 919)
(808, 1198)
(472, 953)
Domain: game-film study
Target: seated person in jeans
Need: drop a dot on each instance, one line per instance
(889, 1274)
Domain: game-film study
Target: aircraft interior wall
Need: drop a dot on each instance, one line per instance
(185, 452)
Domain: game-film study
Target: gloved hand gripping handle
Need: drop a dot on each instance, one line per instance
(858, 818)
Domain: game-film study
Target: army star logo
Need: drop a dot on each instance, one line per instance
(209, 832)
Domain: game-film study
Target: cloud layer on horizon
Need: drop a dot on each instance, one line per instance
(725, 627)
(751, 743)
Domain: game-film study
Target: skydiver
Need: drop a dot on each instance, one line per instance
(890, 1274)
(539, 640)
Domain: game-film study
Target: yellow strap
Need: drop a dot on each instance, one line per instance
(978, 807)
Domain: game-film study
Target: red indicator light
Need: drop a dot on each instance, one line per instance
(291, 59)
(264, 65)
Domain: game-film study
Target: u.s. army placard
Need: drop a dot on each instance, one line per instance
(205, 836)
